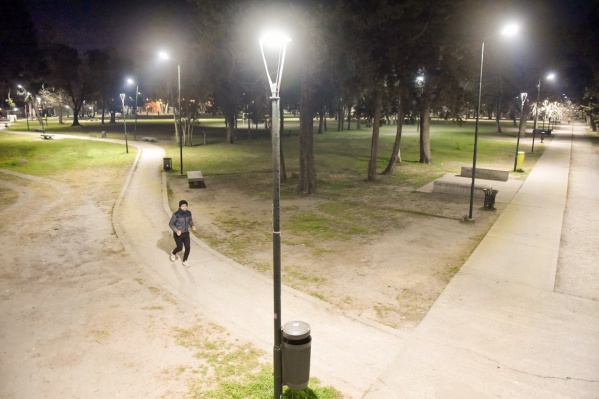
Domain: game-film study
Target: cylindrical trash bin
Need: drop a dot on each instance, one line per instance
(520, 159)
(167, 163)
(295, 353)
(490, 197)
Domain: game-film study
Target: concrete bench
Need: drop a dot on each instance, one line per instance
(150, 139)
(486, 174)
(458, 189)
(46, 136)
(195, 179)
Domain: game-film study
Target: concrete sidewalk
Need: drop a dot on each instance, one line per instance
(500, 329)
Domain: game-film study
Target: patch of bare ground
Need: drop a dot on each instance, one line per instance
(80, 318)
(391, 273)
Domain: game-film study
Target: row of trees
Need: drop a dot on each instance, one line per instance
(371, 59)
(368, 57)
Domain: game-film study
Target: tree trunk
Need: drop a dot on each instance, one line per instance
(340, 113)
(321, 119)
(395, 154)
(523, 119)
(498, 115)
(425, 140)
(374, 144)
(60, 111)
(76, 110)
(307, 173)
(230, 120)
(349, 117)
(282, 169)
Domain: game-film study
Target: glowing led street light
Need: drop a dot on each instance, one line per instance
(131, 81)
(509, 30)
(276, 43)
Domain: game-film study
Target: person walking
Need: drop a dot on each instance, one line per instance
(180, 223)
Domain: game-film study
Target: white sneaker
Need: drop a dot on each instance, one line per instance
(186, 263)
(173, 257)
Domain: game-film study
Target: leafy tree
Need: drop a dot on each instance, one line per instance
(54, 98)
(72, 73)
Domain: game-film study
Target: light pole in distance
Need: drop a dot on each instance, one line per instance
(165, 56)
(131, 81)
(124, 121)
(549, 76)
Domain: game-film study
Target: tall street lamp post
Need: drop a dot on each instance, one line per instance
(509, 30)
(550, 76)
(165, 56)
(124, 121)
(27, 99)
(279, 43)
(523, 98)
(130, 81)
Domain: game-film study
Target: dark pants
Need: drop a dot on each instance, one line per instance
(181, 240)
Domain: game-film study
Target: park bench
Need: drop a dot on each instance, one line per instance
(150, 139)
(486, 174)
(47, 136)
(195, 179)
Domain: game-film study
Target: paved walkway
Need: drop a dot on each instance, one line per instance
(500, 328)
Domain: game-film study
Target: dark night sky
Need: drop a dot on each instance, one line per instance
(138, 29)
(129, 26)
(126, 25)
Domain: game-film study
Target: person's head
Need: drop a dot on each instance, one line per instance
(183, 205)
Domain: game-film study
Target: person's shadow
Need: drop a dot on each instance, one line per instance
(166, 242)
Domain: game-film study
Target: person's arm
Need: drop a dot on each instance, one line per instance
(171, 224)
(193, 226)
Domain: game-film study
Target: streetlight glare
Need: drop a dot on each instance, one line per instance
(511, 29)
(164, 55)
(550, 76)
(130, 81)
(274, 39)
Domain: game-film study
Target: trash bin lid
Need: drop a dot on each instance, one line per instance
(296, 330)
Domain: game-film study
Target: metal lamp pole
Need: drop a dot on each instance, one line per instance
(551, 76)
(523, 97)
(480, 85)
(165, 56)
(130, 81)
(135, 126)
(180, 111)
(281, 44)
(508, 30)
(27, 100)
(534, 127)
(124, 121)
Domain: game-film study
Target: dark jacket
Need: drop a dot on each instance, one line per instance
(181, 220)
